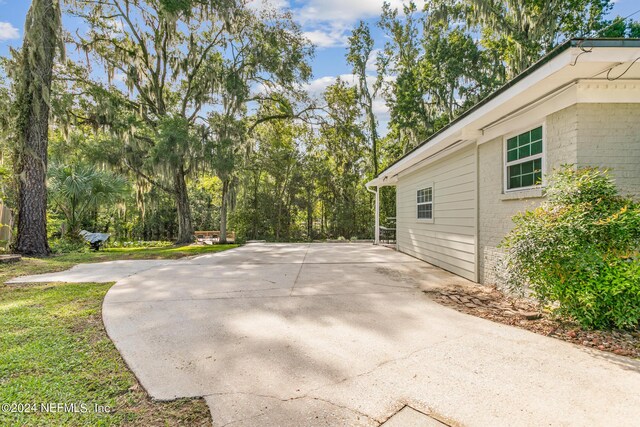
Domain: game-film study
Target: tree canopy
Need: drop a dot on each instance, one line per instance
(198, 112)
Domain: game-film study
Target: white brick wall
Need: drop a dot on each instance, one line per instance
(609, 136)
(604, 135)
(496, 209)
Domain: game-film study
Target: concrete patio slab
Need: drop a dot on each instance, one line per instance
(342, 335)
(193, 281)
(256, 254)
(101, 272)
(408, 416)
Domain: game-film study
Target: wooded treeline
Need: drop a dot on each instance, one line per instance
(170, 116)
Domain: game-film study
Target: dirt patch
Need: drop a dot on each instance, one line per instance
(6, 259)
(492, 304)
(146, 412)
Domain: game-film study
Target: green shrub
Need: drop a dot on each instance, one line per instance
(579, 251)
(67, 245)
(139, 244)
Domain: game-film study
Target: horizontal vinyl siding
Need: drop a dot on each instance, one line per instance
(449, 242)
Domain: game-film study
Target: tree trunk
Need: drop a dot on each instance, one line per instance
(223, 212)
(371, 118)
(255, 206)
(322, 221)
(185, 226)
(309, 215)
(34, 86)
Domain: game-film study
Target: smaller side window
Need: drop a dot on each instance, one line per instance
(424, 199)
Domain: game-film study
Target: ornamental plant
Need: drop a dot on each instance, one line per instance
(579, 251)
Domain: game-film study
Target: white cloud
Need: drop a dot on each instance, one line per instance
(371, 62)
(328, 23)
(261, 5)
(8, 31)
(316, 87)
(343, 10)
(381, 111)
(324, 38)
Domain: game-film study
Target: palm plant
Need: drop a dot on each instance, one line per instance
(79, 190)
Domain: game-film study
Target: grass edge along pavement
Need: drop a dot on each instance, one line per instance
(54, 351)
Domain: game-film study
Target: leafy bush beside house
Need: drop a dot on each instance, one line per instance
(579, 251)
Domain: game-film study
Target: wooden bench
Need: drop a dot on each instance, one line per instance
(213, 235)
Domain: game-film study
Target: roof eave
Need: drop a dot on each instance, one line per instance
(395, 168)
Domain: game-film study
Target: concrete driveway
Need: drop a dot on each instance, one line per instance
(320, 334)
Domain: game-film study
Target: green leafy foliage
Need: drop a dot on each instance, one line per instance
(580, 250)
(301, 183)
(189, 89)
(79, 190)
(523, 30)
(6, 137)
(141, 244)
(65, 246)
(360, 49)
(431, 69)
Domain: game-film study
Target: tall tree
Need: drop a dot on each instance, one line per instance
(404, 95)
(182, 59)
(271, 181)
(5, 137)
(342, 146)
(358, 56)
(455, 71)
(524, 30)
(430, 70)
(266, 62)
(619, 27)
(33, 74)
(168, 54)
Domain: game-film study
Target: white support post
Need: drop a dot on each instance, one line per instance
(377, 232)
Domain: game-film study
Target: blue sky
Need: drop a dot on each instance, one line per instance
(327, 23)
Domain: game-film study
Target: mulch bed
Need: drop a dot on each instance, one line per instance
(492, 304)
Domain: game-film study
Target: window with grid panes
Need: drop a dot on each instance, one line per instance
(524, 159)
(424, 198)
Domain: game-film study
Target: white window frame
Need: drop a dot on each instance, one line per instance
(418, 189)
(506, 164)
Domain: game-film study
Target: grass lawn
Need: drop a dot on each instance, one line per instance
(54, 350)
(62, 262)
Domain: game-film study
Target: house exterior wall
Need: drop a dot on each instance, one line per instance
(604, 135)
(609, 136)
(449, 240)
(587, 134)
(495, 207)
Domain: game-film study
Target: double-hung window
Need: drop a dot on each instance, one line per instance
(424, 199)
(524, 160)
